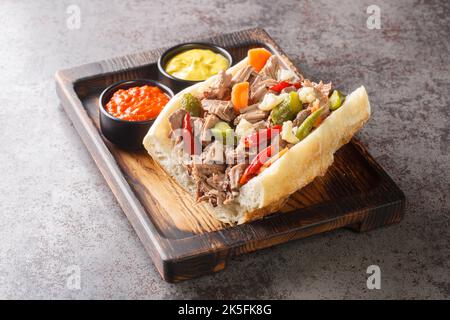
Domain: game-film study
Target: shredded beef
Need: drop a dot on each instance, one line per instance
(223, 109)
(260, 87)
(211, 182)
(176, 119)
(289, 89)
(324, 88)
(271, 67)
(220, 86)
(207, 169)
(214, 153)
(210, 122)
(243, 75)
(260, 125)
(301, 116)
(218, 181)
(252, 107)
(252, 116)
(240, 154)
(234, 174)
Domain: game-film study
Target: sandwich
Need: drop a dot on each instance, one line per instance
(247, 138)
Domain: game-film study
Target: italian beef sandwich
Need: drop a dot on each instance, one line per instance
(247, 138)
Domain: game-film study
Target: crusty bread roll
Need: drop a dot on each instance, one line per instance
(267, 192)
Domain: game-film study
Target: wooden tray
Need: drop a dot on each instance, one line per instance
(180, 235)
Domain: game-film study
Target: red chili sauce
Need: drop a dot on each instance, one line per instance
(137, 103)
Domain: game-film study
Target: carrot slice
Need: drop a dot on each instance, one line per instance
(257, 58)
(316, 106)
(239, 95)
(318, 122)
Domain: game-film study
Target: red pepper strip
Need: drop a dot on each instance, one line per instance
(280, 86)
(273, 159)
(297, 85)
(256, 138)
(284, 84)
(253, 169)
(188, 135)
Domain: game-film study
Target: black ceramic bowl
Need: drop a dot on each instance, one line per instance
(123, 133)
(178, 84)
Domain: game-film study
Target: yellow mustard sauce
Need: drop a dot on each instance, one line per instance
(196, 64)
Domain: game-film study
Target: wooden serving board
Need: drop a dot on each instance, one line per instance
(180, 235)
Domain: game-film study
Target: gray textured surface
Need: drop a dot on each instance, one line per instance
(56, 209)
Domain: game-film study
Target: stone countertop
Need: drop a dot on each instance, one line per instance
(59, 219)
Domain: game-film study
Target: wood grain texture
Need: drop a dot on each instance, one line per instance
(181, 236)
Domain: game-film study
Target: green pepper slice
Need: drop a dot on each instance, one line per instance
(336, 100)
(306, 127)
(295, 102)
(287, 109)
(191, 104)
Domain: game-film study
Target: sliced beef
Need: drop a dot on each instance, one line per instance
(260, 125)
(260, 87)
(206, 169)
(214, 153)
(289, 89)
(234, 174)
(301, 116)
(197, 125)
(210, 122)
(280, 142)
(252, 116)
(231, 196)
(271, 67)
(218, 181)
(176, 119)
(211, 182)
(323, 88)
(257, 93)
(307, 83)
(223, 109)
(251, 79)
(323, 91)
(206, 192)
(252, 107)
(238, 155)
(220, 87)
(183, 157)
(243, 75)
(214, 196)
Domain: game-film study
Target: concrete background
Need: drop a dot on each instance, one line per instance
(57, 211)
